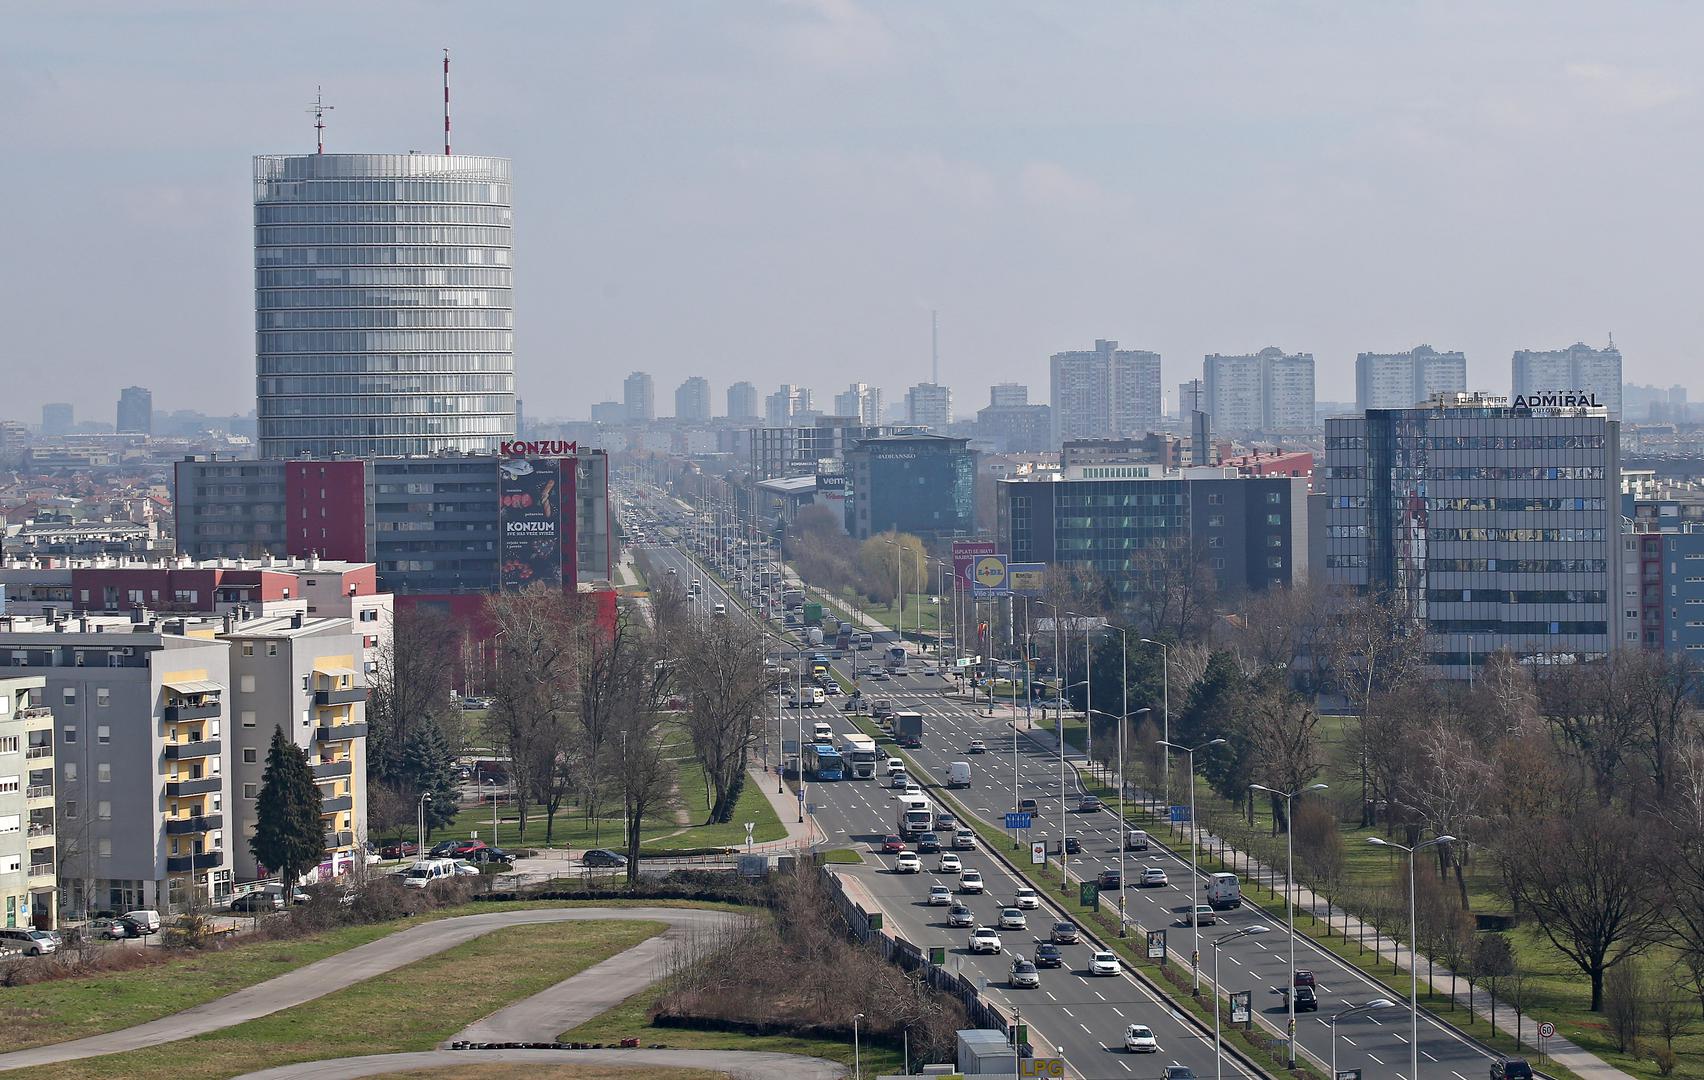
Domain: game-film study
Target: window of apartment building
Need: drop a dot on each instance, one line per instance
(8, 744)
(69, 734)
(9, 823)
(218, 802)
(71, 808)
(71, 772)
(306, 719)
(307, 681)
(70, 695)
(1215, 520)
(1215, 499)
(247, 684)
(1218, 564)
(1215, 541)
(103, 733)
(1274, 519)
(103, 847)
(12, 865)
(103, 810)
(250, 755)
(1274, 541)
(103, 772)
(248, 791)
(369, 614)
(247, 717)
(248, 648)
(9, 785)
(272, 648)
(1274, 497)
(1276, 562)
(103, 697)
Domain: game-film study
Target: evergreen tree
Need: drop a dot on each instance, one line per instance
(1213, 712)
(427, 765)
(288, 837)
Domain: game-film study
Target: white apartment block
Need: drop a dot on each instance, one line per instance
(1268, 391)
(1576, 368)
(1105, 392)
(28, 834)
(692, 400)
(929, 405)
(1403, 380)
(862, 402)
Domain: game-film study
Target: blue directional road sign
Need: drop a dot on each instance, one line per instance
(1017, 821)
(1180, 814)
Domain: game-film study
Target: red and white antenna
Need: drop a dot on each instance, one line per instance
(446, 102)
(319, 108)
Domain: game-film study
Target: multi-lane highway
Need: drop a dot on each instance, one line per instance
(1086, 1017)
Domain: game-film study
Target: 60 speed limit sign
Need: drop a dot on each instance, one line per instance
(1547, 1030)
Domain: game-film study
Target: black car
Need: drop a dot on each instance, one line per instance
(1048, 954)
(603, 857)
(1179, 1072)
(1073, 846)
(1306, 999)
(1511, 1069)
(489, 855)
(445, 850)
(928, 844)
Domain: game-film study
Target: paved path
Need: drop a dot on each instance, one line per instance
(745, 1064)
(335, 973)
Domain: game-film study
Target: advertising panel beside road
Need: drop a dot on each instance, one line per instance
(530, 500)
(965, 553)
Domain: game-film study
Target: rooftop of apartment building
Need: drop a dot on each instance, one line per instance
(180, 562)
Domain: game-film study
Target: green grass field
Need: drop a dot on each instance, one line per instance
(412, 1008)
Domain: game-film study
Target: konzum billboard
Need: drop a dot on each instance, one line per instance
(535, 506)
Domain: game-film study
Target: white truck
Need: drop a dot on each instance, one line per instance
(958, 774)
(1223, 891)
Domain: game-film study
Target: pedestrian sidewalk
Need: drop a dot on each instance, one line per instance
(1557, 1048)
(800, 834)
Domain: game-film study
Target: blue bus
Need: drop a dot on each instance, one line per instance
(824, 763)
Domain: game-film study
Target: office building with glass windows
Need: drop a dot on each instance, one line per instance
(919, 484)
(1494, 527)
(384, 323)
(1121, 521)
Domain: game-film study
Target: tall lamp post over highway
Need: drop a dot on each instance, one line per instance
(1194, 840)
(1165, 704)
(1059, 730)
(1413, 948)
(1349, 1014)
(1247, 931)
(1289, 889)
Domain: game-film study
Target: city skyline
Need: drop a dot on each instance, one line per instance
(956, 188)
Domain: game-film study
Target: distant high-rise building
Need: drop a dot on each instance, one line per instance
(1104, 392)
(1191, 396)
(861, 400)
(383, 308)
(57, 418)
(787, 406)
(1007, 395)
(1579, 367)
(1267, 391)
(135, 411)
(1403, 380)
(520, 420)
(929, 405)
(639, 395)
(692, 400)
(742, 401)
(613, 413)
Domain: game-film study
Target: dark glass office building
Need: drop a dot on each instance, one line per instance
(1495, 527)
(919, 484)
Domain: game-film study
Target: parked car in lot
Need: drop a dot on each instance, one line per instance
(400, 849)
(1024, 975)
(259, 900)
(603, 857)
(29, 942)
(1140, 1040)
(490, 855)
(985, 939)
(1048, 954)
(1103, 963)
(960, 915)
(147, 920)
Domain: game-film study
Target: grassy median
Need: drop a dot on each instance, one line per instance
(412, 1008)
(578, 1071)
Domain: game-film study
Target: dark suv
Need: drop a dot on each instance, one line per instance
(1511, 1069)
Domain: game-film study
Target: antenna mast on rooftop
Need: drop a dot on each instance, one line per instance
(319, 108)
(446, 103)
(934, 348)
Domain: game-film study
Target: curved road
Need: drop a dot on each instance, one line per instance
(357, 965)
(745, 1064)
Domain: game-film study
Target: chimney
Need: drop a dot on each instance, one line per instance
(295, 620)
(230, 621)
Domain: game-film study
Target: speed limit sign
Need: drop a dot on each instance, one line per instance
(1547, 1030)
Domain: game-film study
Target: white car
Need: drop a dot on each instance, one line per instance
(895, 765)
(1103, 963)
(907, 862)
(913, 788)
(1027, 899)
(1153, 876)
(984, 939)
(1140, 1040)
(1012, 919)
(977, 746)
(949, 864)
(970, 881)
(940, 895)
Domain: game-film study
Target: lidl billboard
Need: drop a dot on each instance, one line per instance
(988, 577)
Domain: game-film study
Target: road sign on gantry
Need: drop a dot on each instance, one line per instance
(988, 576)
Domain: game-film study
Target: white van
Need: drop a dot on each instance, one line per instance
(814, 697)
(719, 609)
(1223, 891)
(958, 774)
(822, 733)
(426, 871)
(146, 919)
(1135, 840)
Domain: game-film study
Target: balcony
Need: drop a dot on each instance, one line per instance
(340, 732)
(36, 718)
(198, 748)
(331, 770)
(42, 874)
(38, 791)
(205, 785)
(195, 823)
(183, 864)
(175, 714)
(339, 839)
(37, 753)
(323, 698)
(333, 804)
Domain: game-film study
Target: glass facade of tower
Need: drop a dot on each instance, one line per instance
(384, 322)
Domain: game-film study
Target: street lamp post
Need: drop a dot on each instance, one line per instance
(1353, 1011)
(899, 586)
(857, 1060)
(1413, 949)
(1124, 718)
(1165, 703)
(1059, 730)
(1194, 842)
(420, 820)
(1247, 931)
(493, 782)
(1289, 890)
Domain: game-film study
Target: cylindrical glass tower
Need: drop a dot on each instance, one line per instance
(383, 315)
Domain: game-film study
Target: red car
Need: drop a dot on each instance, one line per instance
(466, 848)
(1304, 977)
(400, 849)
(892, 845)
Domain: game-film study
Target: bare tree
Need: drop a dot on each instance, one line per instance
(533, 703)
(1447, 789)
(1281, 729)
(1590, 881)
(1592, 708)
(1373, 648)
(640, 770)
(1624, 1006)
(411, 686)
(723, 678)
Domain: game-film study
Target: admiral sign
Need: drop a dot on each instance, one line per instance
(1558, 399)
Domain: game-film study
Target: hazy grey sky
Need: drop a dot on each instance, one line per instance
(782, 190)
